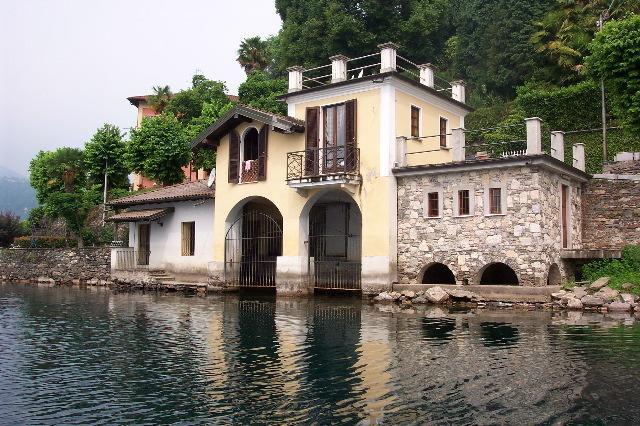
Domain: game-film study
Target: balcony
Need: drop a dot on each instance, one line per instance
(335, 166)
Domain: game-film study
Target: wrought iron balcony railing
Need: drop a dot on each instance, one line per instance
(323, 162)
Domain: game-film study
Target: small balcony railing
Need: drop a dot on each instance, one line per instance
(128, 259)
(334, 161)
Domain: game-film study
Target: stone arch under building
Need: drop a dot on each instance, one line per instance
(497, 273)
(437, 273)
(554, 277)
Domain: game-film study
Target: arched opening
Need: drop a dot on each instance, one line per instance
(334, 229)
(253, 243)
(250, 154)
(438, 273)
(498, 274)
(554, 277)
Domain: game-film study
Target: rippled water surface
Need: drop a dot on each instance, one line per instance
(72, 355)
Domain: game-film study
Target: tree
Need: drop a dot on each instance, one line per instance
(187, 105)
(211, 111)
(105, 152)
(260, 90)
(10, 228)
(73, 207)
(159, 149)
(615, 56)
(57, 171)
(160, 98)
(252, 54)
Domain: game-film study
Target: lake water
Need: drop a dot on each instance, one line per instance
(71, 355)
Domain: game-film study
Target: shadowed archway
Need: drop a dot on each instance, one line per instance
(498, 273)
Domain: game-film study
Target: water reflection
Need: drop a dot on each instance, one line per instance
(99, 357)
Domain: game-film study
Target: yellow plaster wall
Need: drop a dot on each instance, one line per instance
(373, 196)
(430, 126)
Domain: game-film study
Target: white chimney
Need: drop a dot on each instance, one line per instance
(457, 90)
(457, 144)
(534, 135)
(388, 52)
(427, 72)
(578, 156)
(338, 68)
(557, 145)
(295, 78)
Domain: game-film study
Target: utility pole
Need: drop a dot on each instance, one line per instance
(104, 193)
(602, 97)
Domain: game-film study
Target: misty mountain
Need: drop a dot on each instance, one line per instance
(16, 195)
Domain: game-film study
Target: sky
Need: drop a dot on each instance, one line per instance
(67, 66)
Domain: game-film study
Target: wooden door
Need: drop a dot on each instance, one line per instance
(565, 216)
(143, 243)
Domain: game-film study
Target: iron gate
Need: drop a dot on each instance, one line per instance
(334, 251)
(251, 248)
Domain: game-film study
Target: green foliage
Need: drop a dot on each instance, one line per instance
(188, 105)
(73, 207)
(253, 54)
(43, 242)
(620, 271)
(54, 171)
(159, 149)
(105, 151)
(10, 228)
(261, 91)
(160, 98)
(615, 56)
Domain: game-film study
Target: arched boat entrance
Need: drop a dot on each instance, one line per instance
(335, 256)
(252, 246)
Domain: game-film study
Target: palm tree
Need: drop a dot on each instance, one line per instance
(160, 98)
(252, 54)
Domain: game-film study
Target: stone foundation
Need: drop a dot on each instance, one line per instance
(56, 266)
(527, 237)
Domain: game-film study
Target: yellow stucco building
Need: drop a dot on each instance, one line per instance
(308, 200)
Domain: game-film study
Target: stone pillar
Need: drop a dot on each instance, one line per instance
(401, 152)
(292, 276)
(534, 135)
(458, 150)
(557, 145)
(295, 78)
(427, 74)
(338, 68)
(578, 156)
(388, 52)
(458, 91)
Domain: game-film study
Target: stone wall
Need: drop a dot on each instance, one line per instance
(611, 213)
(527, 237)
(56, 265)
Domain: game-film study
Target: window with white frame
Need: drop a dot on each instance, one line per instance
(416, 113)
(433, 203)
(495, 199)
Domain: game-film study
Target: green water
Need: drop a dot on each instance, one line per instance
(72, 355)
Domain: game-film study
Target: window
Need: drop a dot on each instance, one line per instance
(338, 151)
(415, 121)
(464, 205)
(433, 204)
(443, 132)
(495, 200)
(188, 238)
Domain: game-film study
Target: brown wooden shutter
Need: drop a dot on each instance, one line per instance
(234, 156)
(262, 152)
(312, 141)
(351, 124)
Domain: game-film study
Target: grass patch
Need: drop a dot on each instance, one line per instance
(620, 271)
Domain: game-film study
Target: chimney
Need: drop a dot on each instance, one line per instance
(578, 156)
(534, 135)
(557, 145)
(427, 74)
(457, 145)
(457, 90)
(388, 52)
(338, 68)
(295, 78)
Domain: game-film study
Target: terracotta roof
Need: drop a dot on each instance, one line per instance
(195, 190)
(240, 113)
(139, 215)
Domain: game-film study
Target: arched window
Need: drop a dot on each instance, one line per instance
(554, 277)
(498, 274)
(438, 273)
(250, 145)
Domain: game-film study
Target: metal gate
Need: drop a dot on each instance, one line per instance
(334, 249)
(251, 248)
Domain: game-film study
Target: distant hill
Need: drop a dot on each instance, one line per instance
(16, 195)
